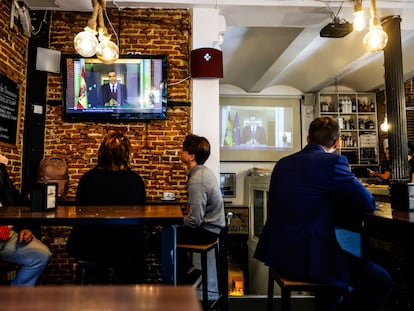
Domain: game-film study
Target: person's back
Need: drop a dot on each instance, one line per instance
(298, 239)
(111, 182)
(98, 187)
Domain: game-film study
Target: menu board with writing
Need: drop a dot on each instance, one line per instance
(9, 109)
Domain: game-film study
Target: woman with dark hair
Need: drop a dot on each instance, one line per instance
(111, 182)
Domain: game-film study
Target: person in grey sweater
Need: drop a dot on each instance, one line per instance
(205, 219)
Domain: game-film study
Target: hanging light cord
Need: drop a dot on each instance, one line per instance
(110, 24)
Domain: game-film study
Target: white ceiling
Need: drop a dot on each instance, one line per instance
(269, 43)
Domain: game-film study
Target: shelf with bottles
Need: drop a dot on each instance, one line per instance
(337, 103)
(356, 114)
(348, 140)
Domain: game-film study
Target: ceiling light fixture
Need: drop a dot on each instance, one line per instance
(359, 18)
(86, 43)
(376, 39)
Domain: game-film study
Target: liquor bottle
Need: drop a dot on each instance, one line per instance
(351, 124)
(353, 105)
(372, 107)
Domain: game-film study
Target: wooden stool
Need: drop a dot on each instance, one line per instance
(288, 286)
(8, 272)
(92, 272)
(203, 251)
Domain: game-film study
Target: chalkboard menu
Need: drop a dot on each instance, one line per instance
(9, 109)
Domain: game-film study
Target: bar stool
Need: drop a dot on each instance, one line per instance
(93, 272)
(203, 250)
(287, 286)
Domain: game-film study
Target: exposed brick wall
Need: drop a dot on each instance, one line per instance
(13, 62)
(156, 144)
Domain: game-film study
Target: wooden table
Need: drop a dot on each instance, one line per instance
(100, 298)
(168, 216)
(387, 238)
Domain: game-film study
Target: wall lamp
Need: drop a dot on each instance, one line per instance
(376, 39)
(86, 42)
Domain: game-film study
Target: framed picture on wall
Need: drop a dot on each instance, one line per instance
(259, 128)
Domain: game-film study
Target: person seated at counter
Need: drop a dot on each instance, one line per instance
(411, 162)
(385, 172)
(19, 245)
(111, 182)
(298, 239)
(205, 219)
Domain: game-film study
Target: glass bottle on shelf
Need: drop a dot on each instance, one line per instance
(372, 107)
(353, 105)
(351, 124)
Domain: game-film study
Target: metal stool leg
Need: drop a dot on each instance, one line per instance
(270, 288)
(204, 279)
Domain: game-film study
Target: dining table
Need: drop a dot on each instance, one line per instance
(168, 216)
(100, 298)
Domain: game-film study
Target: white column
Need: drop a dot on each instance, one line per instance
(205, 92)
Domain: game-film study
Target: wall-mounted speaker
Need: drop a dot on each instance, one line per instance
(48, 60)
(206, 63)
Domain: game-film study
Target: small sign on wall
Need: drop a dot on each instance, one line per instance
(9, 109)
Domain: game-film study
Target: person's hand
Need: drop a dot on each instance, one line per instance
(25, 236)
(3, 159)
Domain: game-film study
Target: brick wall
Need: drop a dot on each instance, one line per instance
(156, 144)
(13, 62)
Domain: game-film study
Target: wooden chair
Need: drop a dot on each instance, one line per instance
(288, 285)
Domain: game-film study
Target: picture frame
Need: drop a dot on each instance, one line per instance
(259, 128)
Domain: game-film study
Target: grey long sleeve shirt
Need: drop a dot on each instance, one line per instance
(206, 208)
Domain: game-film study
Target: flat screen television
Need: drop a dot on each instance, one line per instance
(140, 91)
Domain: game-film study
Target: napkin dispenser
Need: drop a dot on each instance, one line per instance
(44, 197)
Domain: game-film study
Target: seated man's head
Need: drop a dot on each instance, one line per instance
(324, 131)
(195, 149)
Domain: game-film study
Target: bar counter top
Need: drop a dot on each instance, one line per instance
(100, 298)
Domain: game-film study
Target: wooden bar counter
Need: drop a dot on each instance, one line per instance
(100, 298)
(387, 238)
(166, 215)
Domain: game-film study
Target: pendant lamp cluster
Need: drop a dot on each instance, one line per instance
(94, 39)
(376, 39)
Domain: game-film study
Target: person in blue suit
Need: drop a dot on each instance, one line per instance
(114, 93)
(306, 190)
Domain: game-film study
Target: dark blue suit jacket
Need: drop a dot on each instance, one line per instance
(305, 191)
(120, 96)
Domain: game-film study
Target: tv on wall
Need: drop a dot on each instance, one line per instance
(140, 91)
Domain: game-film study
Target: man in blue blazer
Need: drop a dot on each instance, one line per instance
(298, 239)
(114, 93)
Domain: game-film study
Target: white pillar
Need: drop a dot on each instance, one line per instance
(207, 26)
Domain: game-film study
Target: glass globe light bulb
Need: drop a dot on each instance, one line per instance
(107, 52)
(85, 43)
(376, 39)
(359, 20)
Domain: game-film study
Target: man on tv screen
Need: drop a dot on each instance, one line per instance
(253, 133)
(114, 93)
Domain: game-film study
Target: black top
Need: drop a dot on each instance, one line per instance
(9, 195)
(110, 188)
